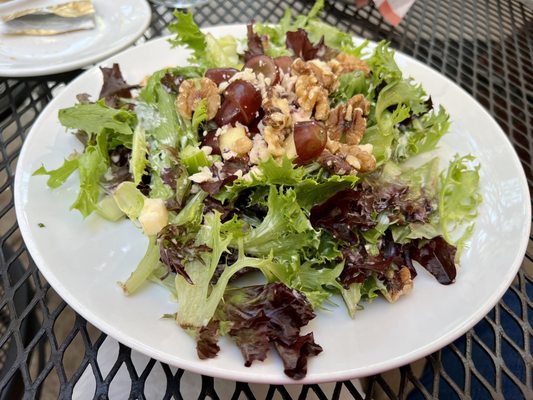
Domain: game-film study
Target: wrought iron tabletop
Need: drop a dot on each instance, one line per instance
(47, 351)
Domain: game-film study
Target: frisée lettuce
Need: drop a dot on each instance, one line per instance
(289, 159)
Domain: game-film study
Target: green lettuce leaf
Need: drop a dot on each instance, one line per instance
(58, 176)
(198, 301)
(383, 65)
(459, 199)
(310, 192)
(357, 292)
(149, 94)
(316, 282)
(422, 135)
(188, 34)
(139, 152)
(92, 165)
(350, 84)
(145, 268)
(95, 117)
(129, 199)
(207, 51)
(284, 230)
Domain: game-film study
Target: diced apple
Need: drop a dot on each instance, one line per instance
(154, 216)
(235, 140)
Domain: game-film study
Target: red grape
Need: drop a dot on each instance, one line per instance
(230, 113)
(219, 75)
(264, 65)
(247, 97)
(284, 63)
(310, 139)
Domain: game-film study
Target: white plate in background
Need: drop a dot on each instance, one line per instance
(119, 23)
(83, 259)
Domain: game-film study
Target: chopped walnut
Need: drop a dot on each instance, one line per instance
(312, 97)
(275, 139)
(400, 284)
(350, 63)
(347, 122)
(192, 91)
(319, 69)
(335, 163)
(277, 112)
(358, 156)
(346, 125)
(277, 121)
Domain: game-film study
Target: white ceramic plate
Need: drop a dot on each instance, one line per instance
(83, 260)
(119, 23)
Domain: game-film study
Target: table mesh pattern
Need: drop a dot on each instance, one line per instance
(484, 46)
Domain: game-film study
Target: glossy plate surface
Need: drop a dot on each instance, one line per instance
(119, 23)
(83, 259)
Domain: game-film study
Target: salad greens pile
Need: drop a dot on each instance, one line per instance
(313, 221)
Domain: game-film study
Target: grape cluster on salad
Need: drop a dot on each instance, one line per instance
(287, 159)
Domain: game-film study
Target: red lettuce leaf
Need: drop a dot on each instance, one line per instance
(437, 256)
(226, 174)
(255, 43)
(206, 344)
(176, 247)
(302, 47)
(275, 314)
(295, 355)
(351, 210)
(114, 86)
(172, 82)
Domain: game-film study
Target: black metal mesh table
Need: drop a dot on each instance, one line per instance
(484, 46)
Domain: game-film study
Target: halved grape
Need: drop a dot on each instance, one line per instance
(247, 97)
(219, 75)
(264, 65)
(253, 126)
(310, 139)
(230, 113)
(284, 63)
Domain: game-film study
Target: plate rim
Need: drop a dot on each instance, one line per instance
(66, 66)
(248, 375)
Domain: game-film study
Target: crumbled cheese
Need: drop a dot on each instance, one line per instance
(204, 175)
(221, 130)
(223, 86)
(228, 154)
(263, 85)
(207, 150)
(259, 150)
(247, 74)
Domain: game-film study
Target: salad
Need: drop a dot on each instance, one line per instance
(291, 155)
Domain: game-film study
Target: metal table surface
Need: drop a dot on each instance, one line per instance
(484, 46)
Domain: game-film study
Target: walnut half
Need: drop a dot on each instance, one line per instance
(312, 97)
(346, 125)
(350, 63)
(347, 122)
(192, 91)
(400, 284)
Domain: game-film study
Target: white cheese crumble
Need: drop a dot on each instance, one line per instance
(204, 175)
